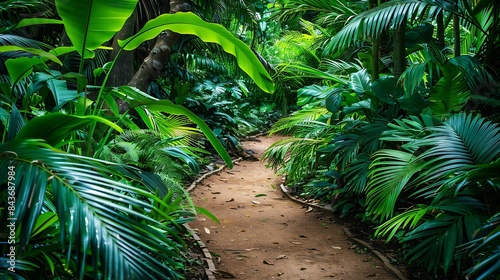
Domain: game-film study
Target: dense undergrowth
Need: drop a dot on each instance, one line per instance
(411, 148)
(93, 175)
(394, 122)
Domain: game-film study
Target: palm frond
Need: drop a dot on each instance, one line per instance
(12, 9)
(485, 251)
(374, 22)
(456, 147)
(438, 237)
(289, 124)
(295, 157)
(103, 212)
(390, 172)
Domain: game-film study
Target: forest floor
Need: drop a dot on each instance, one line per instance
(264, 235)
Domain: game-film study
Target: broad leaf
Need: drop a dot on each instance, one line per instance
(451, 91)
(55, 127)
(62, 94)
(20, 68)
(36, 21)
(38, 52)
(91, 23)
(189, 23)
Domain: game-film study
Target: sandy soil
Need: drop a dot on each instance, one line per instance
(264, 235)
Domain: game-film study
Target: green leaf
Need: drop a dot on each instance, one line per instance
(62, 94)
(334, 101)
(390, 172)
(36, 21)
(91, 23)
(171, 108)
(21, 67)
(360, 82)
(37, 52)
(16, 123)
(103, 214)
(55, 127)
(207, 213)
(189, 23)
(45, 220)
(451, 91)
(180, 154)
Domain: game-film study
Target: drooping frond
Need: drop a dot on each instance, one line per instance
(104, 212)
(373, 22)
(290, 124)
(295, 157)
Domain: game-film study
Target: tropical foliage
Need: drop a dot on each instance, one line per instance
(96, 191)
(392, 109)
(397, 123)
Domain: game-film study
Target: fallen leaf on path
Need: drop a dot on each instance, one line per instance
(260, 194)
(280, 273)
(336, 247)
(223, 274)
(224, 180)
(251, 249)
(280, 257)
(231, 200)
(240, 257)
(215, 192)
(255, 202)
(310, 209)
(268, 262)
(296, 243)
(207, 230)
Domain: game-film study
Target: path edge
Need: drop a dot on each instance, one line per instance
(207, 257)
(328, 208)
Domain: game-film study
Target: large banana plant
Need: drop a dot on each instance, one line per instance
(79, 216)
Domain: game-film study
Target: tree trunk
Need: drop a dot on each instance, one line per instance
(440, 30)
(399, 59)
(123, 69)
(154, 63)
(375, 50)
(456, 35)
(492, 34)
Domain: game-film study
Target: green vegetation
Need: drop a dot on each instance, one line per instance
(109, 107)
(93, 173)
(398, 124)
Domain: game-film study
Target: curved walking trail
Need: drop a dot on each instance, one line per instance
(264, 235)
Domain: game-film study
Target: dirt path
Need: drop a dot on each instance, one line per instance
(263, 235)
